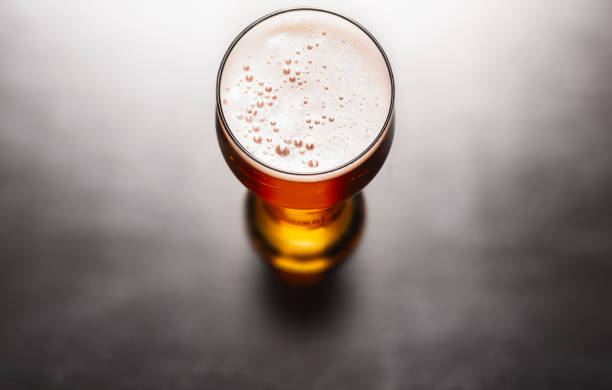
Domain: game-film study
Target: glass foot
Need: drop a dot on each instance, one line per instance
(303, 244)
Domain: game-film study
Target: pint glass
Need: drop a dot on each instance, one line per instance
(305, 120)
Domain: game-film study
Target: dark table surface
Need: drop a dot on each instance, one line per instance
(486, 261)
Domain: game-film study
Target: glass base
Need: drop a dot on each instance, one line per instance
(303, 244)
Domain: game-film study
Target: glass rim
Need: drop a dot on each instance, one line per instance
(365, 151)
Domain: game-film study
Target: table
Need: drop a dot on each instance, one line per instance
(486, 260)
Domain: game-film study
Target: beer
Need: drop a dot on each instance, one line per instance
(305, 92)
(305, 121)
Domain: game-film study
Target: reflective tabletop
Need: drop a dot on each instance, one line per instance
(486, 258)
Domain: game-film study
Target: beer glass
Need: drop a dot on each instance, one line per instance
(301, 222)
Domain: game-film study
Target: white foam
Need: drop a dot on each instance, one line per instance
(323, 108)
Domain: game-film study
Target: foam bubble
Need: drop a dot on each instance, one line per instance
(338, 59)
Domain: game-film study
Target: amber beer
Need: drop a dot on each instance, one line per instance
(305, 121)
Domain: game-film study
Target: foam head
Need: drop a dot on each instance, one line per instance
(305, 91)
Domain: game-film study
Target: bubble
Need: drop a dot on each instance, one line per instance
(345, 59)
(282, 150)
(257, 139)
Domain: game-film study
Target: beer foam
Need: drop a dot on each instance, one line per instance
(305, 91)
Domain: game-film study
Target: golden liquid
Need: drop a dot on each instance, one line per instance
(302, 244)
(303, 224)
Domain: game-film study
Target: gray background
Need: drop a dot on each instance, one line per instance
(487, 256)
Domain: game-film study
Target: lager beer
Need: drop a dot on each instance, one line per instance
(305, 121)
